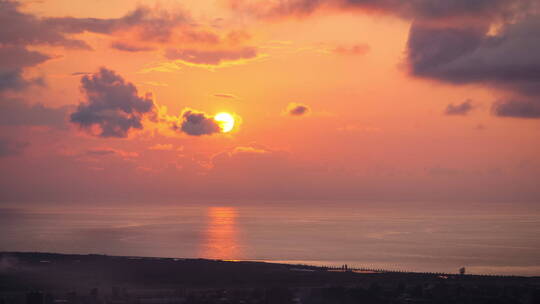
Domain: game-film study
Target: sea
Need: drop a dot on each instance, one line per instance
(485, 238)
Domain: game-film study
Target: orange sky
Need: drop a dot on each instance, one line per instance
(372, 129)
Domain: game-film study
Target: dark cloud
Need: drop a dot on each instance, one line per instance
(12, 61)
(17, 31)
(431, 48)
(508, 60)
(197, 123)
(15, 57)
(21, 29)
(126, 47)
(470, 54)
(211, 57)
(297, 109)
(12, 79)
(149, 24)
(16, 112)
(10, 147)
(459, 109)
(442, 9)
(407, 9)
(112, 105)
(517, 109)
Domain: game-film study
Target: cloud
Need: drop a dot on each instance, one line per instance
(10, 147)
(110, 151)
(426, 9)
(148, 24)
(21, 29)
(100, 152)
(494, 43)
(240, 153)
(14, 80)
(432, 50)
(162, 147)
(471, 54)
(113, 108)
(517, 109)
(126, 47)
(112, 105)
(155, 83)
(297, 109)
(201, 36)
(191, 36)
(358, 49)
(211, 57)
(16, 112)
(18, 30)
(249, 158)
(197, 123)
(508, 60)
(459, 109)
(223, 95)
(15, 57)
(143, 26)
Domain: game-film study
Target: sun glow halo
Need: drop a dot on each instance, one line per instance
(225, 121)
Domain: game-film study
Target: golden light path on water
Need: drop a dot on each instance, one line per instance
(221, 234)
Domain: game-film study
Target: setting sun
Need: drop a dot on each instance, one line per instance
(225, 120)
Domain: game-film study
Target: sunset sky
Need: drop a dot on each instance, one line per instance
(115, 100)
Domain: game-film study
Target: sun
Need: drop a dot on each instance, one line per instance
(225, 121)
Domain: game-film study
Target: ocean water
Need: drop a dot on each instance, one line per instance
(485, 238)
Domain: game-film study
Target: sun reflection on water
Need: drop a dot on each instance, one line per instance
(221, 234)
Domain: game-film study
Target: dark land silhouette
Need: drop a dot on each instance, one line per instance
(46, 278)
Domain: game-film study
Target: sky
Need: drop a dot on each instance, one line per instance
(421, 100)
